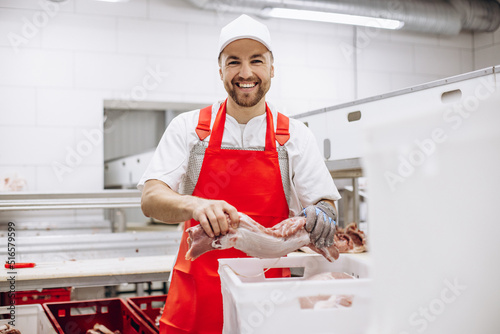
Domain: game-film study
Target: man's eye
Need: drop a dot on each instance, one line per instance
(233, 62)
(257, 61)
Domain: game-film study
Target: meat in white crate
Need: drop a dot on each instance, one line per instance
(256, 304)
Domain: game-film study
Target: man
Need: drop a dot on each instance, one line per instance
(237, 155)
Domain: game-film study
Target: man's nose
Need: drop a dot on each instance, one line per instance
(246, 70)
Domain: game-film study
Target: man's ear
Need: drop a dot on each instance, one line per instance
(272, 71)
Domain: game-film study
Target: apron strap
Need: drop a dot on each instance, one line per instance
(282, 134)
(282, 129)
(218, 129)
(203, 127)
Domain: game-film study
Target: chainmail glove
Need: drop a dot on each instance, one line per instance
(320, 223)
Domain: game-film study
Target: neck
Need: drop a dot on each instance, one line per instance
(244, 114)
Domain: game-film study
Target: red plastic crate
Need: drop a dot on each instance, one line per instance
(39, 297)
(148, 307)
(79, 316)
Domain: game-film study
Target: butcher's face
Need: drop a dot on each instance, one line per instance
(246, 68)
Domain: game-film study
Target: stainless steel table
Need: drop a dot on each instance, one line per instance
(85, 273)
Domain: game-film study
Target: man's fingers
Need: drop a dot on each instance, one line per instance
(206, 227)
(234, 217)
(319, 225)
(325, 223)
(212, 218)
(317, 232)
(222, 222)
(330, 235)
(310, 213)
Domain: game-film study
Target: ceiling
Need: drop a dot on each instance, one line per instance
(448, 17)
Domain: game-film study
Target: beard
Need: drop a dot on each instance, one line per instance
(246, 99)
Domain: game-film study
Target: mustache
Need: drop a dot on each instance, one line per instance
(252, 79)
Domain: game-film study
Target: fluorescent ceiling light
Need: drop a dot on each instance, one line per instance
(112, 0)
(309, 15)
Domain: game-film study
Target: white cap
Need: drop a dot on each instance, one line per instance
(244, 27)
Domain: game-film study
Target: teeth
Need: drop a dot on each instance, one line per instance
(242, 85)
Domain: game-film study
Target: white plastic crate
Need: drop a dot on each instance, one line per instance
(29, 319)
(433, 275)
(346, 134)
(255, 304)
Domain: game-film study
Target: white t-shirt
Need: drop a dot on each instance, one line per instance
(310, 179)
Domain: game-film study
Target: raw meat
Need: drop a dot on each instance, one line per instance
(158, 317)
(326, 276)
(256, 240)
(326, 301)
(101, 329)
(350, 239)
(8, 329)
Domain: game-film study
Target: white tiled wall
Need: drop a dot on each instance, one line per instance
(59, 62)
(391, 60)
(80, 32)
(486, 49)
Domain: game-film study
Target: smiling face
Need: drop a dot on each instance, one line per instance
(246, 68)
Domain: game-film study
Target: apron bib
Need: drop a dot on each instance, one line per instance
(251, 182)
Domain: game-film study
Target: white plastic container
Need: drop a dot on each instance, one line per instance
(29, 319)
(346, 134)
(255, 304)
(434, 184)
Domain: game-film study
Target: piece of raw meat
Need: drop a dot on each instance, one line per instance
(350, 239)
(326, 276)
(326, 301)
(158, 317)
(8, 329)
(256, 240)
(101, 329)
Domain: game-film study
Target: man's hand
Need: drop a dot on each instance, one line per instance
(320, 223)
(161, 202)
(213, 216)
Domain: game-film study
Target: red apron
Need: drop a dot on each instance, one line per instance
(251, 182)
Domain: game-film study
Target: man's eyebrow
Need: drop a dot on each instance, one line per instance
(257, 55)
